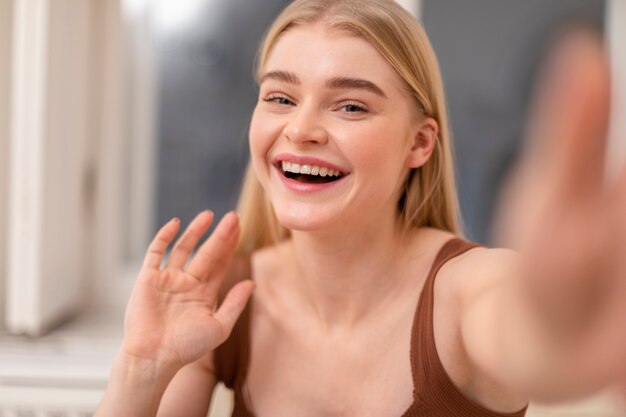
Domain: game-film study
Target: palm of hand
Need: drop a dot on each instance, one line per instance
(172, 315)
(562, 214)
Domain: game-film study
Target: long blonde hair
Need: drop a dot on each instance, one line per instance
(429, 198)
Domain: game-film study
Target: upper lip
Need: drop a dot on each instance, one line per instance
(307, 160)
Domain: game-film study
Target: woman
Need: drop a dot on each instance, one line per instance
(348, 214)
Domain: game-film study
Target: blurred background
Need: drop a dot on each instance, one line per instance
(116, 115)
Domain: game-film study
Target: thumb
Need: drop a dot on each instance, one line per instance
(233, 305)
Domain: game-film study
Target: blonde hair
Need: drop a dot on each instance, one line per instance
(429, 198)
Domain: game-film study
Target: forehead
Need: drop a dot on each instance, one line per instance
(320, 52)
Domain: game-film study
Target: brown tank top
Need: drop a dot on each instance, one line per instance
(434, 393)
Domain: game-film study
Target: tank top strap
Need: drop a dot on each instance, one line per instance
(422, 335)
(231, 357)
(432, 384)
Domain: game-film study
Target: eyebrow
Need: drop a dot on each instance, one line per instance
(284, 76)
(337, 82)
(355, 83)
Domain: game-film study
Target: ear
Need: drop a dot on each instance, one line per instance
(423, 143)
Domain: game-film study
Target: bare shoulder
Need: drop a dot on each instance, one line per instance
(467, 286)
(479, 270)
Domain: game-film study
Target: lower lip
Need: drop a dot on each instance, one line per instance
(303, 187)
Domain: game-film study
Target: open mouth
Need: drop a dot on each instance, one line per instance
(309, 174)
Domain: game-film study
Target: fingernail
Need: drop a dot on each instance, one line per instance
(232, 219)
(176, 220)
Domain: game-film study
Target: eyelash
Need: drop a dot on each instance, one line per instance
(281, 100)
(277, 99)
(359, 108)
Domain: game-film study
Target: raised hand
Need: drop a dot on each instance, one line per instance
(567, 219)
(172, 316)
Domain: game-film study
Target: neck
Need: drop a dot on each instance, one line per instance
(345, 276)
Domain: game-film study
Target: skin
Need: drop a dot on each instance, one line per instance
(316, 120)
(334, 304)
(565, 217)
(344, 241)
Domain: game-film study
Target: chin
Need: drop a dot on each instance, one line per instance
(305, 218)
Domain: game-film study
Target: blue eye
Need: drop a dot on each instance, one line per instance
(278, 100)
(353, 108)
(282, 100)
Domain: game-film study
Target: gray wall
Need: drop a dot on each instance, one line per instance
(206, 97)
(488, 51)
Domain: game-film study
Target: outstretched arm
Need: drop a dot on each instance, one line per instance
(552, 323)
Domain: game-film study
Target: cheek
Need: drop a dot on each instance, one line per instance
(258, 133)
(383, 152)
(381, 162)
(263, 134)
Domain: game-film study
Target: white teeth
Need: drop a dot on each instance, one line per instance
(309, 169)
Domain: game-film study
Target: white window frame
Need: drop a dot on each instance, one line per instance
(26, 148)
(6, 14)
(126, 175)
(75, 224)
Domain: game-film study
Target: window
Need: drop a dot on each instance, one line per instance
(68, 137)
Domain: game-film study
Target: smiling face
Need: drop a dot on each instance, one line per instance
(334, 131)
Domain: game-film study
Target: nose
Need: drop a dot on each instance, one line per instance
(306, 126)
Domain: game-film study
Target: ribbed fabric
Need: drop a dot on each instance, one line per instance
(435, 395)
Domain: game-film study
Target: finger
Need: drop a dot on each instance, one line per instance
(233, 305)
(188, 241)
(158, 246)
(215, 254)
(569, 119)
(218, 272)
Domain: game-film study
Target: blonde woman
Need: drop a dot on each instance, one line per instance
(353, 292)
